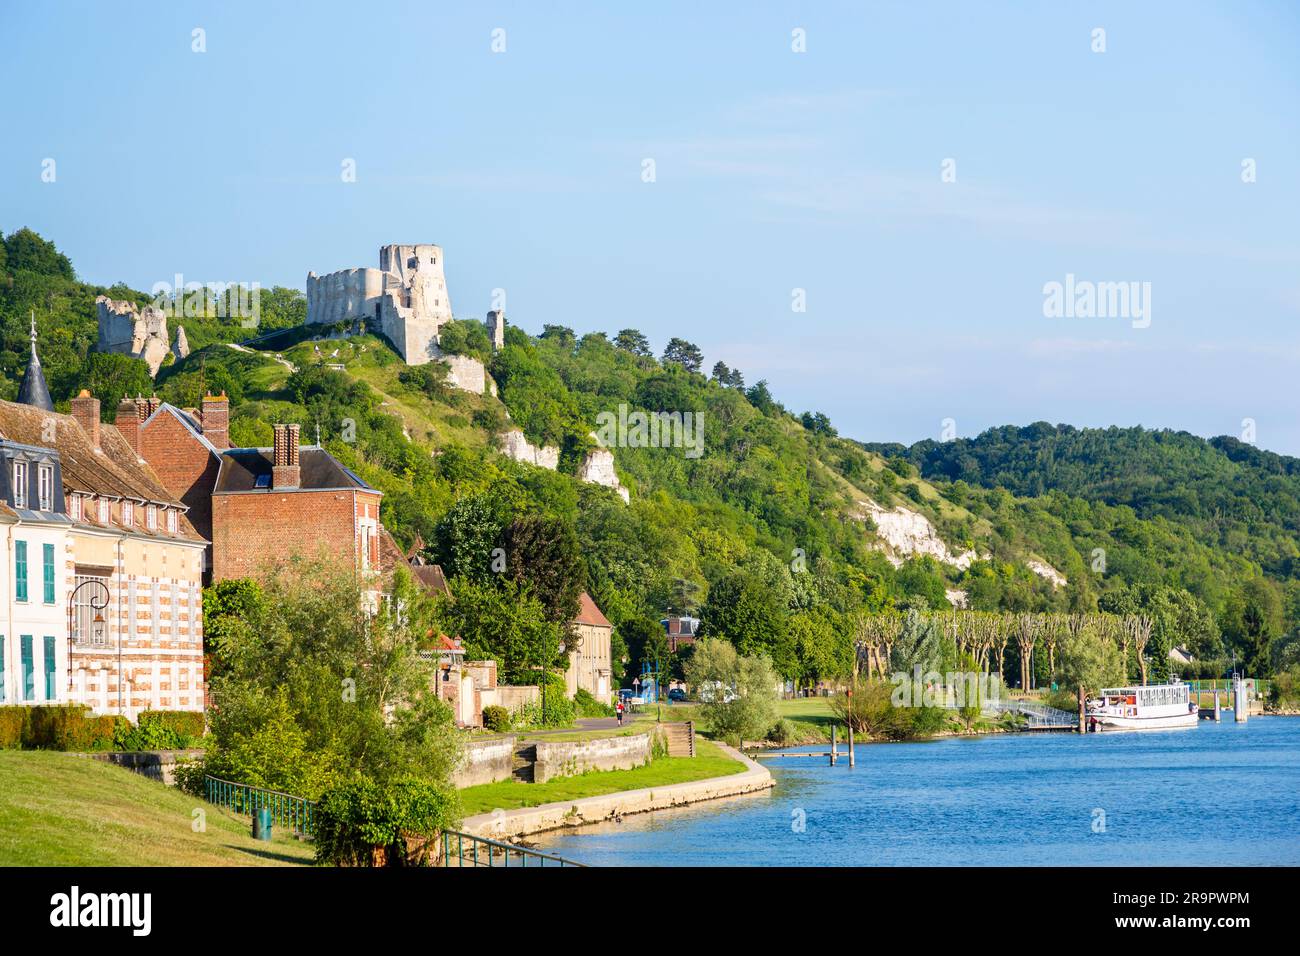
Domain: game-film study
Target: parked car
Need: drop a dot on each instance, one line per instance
(677, 695)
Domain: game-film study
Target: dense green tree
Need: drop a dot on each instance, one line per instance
(467, 536)
(742, 609)
(316, 690)
(630, 340)
(683, 353)
(504, 622)
(542, 552)
(26, 251)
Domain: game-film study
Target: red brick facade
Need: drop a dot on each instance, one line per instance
(184, 464)
(253, 529)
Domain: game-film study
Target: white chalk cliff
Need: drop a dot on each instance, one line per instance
(906, 533)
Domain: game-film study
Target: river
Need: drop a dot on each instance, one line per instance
(1221, 794)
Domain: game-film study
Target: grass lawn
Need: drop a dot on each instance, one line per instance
(62, 810)
(709, 761)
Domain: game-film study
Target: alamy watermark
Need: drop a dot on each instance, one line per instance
(954, 690)
(640, 429)
(236, 300)
(1085, 299)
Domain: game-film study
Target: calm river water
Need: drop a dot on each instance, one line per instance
(1220, 794)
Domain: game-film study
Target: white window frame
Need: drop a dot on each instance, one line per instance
(74, 506)
(105, 511)
(20, 484)
(172, 522)
(151, 517)
(128, 513)
(45, 487)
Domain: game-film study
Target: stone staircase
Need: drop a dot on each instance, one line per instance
(523, 763)
(680, 738)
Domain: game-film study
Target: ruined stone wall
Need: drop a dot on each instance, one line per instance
(126, 331)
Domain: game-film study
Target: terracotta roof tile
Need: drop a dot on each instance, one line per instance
(588, 613)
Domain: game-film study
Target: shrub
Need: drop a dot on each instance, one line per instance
(496, 718)
(162, 730)
(557, 708)
(588, 706)
(1285, 691)
(71, 727)
(365, 824)
(13, 727)
(782, 732)
(188, 776)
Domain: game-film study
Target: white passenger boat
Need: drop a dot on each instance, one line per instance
(1152, 707)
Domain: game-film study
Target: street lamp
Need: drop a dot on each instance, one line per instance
(97, 624)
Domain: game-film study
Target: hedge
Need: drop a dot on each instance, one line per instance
(73, 727)
(69, 727)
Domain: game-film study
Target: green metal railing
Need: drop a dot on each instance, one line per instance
(464, 849)
(295, 813)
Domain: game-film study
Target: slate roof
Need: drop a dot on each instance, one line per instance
(319, 471)
(112, 471)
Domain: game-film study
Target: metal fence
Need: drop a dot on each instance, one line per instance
(295, 813)
(1039, 715)
(465, 849)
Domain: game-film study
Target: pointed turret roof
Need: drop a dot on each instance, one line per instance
(33, 390)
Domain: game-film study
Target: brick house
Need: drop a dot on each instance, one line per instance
(93, 538)
(258, 504)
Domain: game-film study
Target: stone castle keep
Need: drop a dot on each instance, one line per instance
(405, 298)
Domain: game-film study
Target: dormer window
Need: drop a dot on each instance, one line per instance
(20, 484)
(104, 510)
(151, 517)
(45, 475)
(74, 506)
(171, 520)
(128, 513)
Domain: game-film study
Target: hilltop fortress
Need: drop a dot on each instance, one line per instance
(405, 298)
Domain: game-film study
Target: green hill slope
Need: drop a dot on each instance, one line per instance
(807, 526)
(61, 809)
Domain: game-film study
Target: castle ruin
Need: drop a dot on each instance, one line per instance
(405, 298)
(127, 331)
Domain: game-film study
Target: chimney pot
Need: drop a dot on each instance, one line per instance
(85, 409)
(285, 471)
(215, 419)
(128, 422)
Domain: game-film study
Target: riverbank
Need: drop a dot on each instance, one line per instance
(523, 821)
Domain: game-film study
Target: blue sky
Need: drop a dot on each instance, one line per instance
(774, 171)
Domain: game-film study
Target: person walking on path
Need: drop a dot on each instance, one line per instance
(620, 713)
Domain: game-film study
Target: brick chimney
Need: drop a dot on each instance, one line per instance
(128, 422)
(215, 419)
(85, 409)
(150, 406)
(285, 472)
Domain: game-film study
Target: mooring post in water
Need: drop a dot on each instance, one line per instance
(832, 745)
(1083, 724)
(1238, 700)
(852, 759)
(1216, 705)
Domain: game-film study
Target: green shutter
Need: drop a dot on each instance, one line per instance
(28, 689)
(49, 573)
(20, 570)
(49, 667)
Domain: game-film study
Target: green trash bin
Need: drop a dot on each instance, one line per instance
(262, 824)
